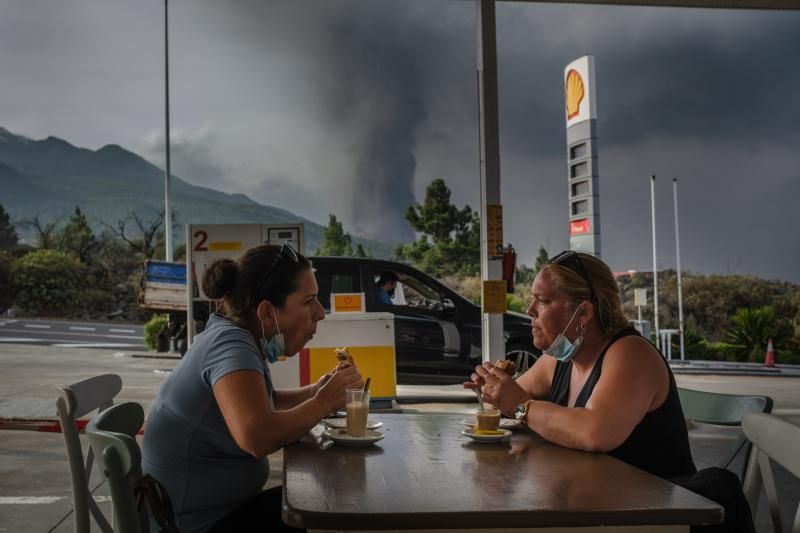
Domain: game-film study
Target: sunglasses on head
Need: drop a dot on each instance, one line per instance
(287, 253)
(572, 260)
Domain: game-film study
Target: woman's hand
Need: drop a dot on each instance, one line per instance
(332, 386)
(476, 379)
(499, 388)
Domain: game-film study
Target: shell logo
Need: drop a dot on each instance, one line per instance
(575, 93)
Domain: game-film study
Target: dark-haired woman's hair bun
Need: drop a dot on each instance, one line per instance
(219, 279)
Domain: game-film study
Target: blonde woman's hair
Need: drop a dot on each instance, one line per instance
(607, 302)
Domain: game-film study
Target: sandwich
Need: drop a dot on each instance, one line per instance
(506, 366)
(343, 357)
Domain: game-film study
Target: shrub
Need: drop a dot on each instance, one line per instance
(47, 282)
(151, 329)
(96, 303)
(6, 287)
(515, 304)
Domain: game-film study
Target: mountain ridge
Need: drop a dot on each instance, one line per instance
(49, 178)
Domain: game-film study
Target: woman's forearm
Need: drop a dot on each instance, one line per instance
(289, 398)
(576, 428)
(282, 427)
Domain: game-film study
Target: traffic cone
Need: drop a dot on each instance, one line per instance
(769, 360)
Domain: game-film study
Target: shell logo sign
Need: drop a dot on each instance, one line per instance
(575, 93)
(579, 90)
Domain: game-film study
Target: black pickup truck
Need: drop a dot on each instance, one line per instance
(437, 331)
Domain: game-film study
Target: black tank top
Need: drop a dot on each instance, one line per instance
(659, 444)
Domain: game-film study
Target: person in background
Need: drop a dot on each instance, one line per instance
(218, 416)
(387, 283)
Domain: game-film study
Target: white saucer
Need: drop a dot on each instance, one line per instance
(486, 438)
(340, 436)
(341, 423)
(505, 423)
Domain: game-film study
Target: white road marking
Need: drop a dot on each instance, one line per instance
(122, 330)
(79, 328)
(16, 339)
(28, 500)
(38, 326)
(6, 322)
(77, 334)
(96, 345)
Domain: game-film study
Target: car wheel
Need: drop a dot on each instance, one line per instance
(523, 357)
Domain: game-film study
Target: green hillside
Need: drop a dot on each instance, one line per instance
(48, 178)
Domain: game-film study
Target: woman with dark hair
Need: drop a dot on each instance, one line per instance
(217, 416)
(599, 385)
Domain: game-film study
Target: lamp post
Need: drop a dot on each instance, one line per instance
(678, 256)
(167, 172)
(655, 268)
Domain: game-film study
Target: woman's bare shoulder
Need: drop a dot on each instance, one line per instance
(635, 351)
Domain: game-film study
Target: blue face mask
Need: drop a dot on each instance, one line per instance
(562, 349)
(275, 347)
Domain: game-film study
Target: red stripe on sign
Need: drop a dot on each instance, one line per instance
(305, 366)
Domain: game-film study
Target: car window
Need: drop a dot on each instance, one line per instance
(418, 293)
(335, 278)
(343, 283)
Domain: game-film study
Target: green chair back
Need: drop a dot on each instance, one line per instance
(74, 402)
(773, 439)
(112, 435)
(723, 410)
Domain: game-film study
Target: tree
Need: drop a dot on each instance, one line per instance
(146, 235)
(541, 260)
(449, 241)
(47, 235)
(360, 251)
(8, 233)
(335, 241)
(77, 238)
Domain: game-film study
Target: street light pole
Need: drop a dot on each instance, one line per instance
(167, 172)
(678, 256)
(655, 268)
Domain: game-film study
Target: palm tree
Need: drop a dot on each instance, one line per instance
(750, 331)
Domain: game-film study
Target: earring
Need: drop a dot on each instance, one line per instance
(580, 329)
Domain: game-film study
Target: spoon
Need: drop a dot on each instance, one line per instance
(366, 389)
(480, 400)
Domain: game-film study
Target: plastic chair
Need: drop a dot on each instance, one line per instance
(112, 434)
(775, 439)
(75, 401)
(724, 410)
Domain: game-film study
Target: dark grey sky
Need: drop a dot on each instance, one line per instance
(354, 107)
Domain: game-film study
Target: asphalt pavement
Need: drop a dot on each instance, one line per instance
(34, 476)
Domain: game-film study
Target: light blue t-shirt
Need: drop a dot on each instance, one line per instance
(187, 445)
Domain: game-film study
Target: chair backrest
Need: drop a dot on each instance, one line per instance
(112, 435)
(75, 401)
(776, 439)
(723, 410)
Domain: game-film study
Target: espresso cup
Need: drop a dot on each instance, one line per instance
(488, 419)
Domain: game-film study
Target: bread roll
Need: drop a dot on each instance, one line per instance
(344, 357)
(506, 366)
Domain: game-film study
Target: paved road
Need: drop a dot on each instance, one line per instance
(72, 334)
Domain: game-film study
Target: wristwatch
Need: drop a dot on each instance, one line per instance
(521, 412)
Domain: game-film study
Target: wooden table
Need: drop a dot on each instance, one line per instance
(425, 475)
